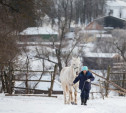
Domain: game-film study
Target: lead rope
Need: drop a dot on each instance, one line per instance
(82, 88)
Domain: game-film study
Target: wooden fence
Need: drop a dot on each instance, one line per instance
(106, 81)
(9, 79)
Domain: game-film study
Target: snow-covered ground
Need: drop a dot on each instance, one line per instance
(22, 104)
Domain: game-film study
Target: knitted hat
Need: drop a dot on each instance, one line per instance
(84, 68)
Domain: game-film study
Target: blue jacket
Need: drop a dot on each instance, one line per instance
(83, 84)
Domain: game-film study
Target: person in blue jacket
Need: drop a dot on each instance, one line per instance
(85, 77)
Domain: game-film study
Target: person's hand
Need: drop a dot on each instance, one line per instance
(88, 80)
(72, 84)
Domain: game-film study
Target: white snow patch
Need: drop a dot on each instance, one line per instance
(118, 8)
(103, 35)
(92, 31)
(116, 3)
(70, 35)
(38, 31)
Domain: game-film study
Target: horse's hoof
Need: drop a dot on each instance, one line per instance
(68, 102)
(72, 103)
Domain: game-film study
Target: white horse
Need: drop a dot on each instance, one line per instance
(67, 76)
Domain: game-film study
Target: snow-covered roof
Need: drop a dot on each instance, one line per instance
(100, 55)
(116, 3)
(38, 31)
(93, 26)
(109, 28)
(109, 16)
(70, 35)
(92, 31)
(104, 35)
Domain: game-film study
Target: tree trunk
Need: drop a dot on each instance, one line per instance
(52, 81)
(107, 84)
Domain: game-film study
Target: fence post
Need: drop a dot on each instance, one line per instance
(123, 82)
(92, 95)
(101, 91)
(26, 83)
(6, 82)
(3, 81)
(52, 81)
(10, 78)
(106, 83)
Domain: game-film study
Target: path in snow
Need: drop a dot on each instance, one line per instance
(22, 104)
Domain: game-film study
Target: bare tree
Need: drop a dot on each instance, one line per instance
(86, 10)
(14, 16)
(119, 42)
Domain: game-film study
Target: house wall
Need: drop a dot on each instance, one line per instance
(118, 12)
(36, 38)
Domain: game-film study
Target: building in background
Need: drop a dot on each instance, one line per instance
(116, 8)
(99, 61)
(37, 34)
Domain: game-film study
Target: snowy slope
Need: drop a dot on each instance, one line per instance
(55, 105)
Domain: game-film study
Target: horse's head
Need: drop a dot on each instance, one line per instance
(75, 63)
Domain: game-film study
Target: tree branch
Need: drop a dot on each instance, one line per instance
(44, 58)
(7, 5)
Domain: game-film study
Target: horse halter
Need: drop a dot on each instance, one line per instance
(75, 69)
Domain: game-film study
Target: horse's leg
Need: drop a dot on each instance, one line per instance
(64, 93)
(68, 102)
(71, 97)
(67, 92)
(75, 96)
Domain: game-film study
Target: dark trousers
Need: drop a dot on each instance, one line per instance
(85, 94)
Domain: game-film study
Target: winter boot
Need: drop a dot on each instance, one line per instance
(82, 101)
(85, 101)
